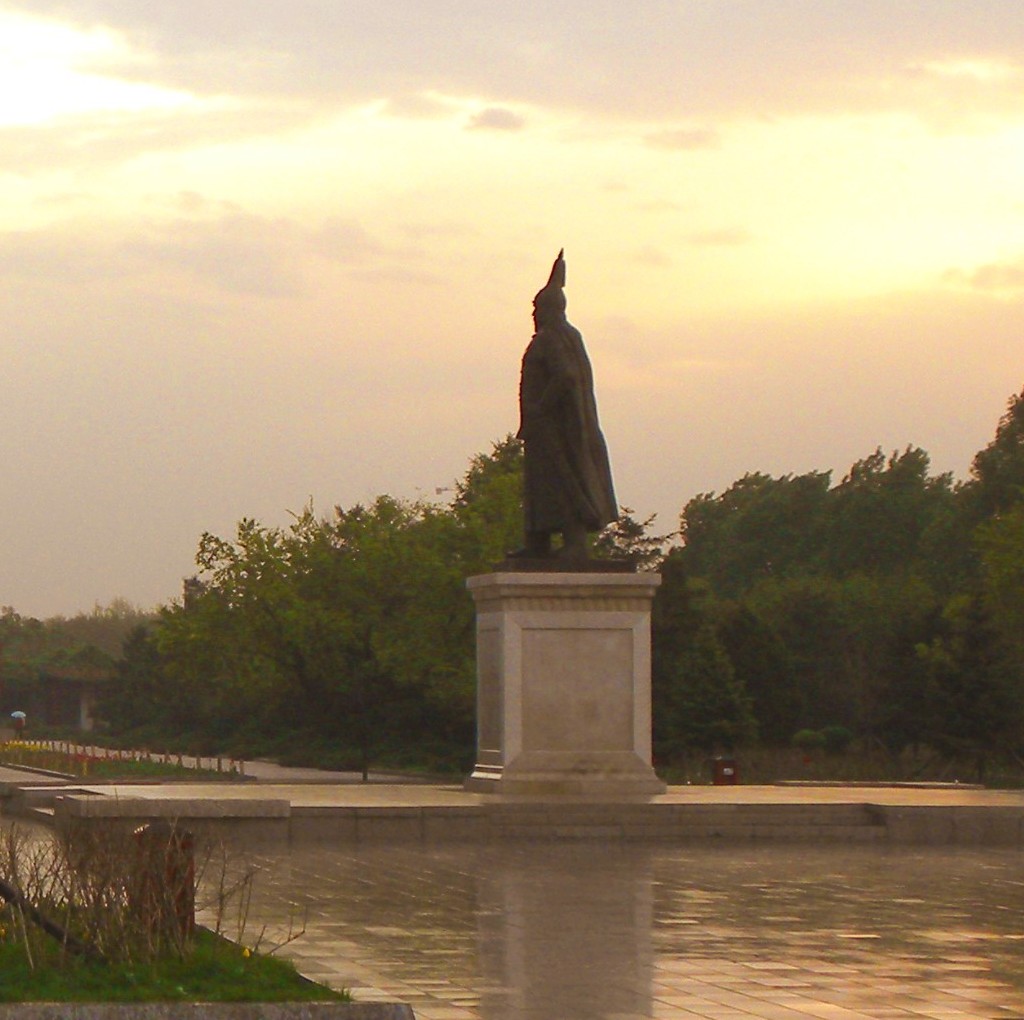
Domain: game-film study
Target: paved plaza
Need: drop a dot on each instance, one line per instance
(590, 929)
(590, 932)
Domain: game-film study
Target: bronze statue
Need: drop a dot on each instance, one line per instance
(567, 479)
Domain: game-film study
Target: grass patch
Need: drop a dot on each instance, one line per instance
(106, 914)
(215, 970)
(142, 769)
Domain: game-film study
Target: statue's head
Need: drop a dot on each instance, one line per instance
(549, 302)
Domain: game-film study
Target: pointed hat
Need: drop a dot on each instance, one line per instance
(552, 294)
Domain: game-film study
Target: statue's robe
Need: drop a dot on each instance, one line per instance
(568, 479)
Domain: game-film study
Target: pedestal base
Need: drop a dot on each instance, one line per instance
(564, 684)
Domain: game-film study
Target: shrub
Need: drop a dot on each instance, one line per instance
(836, 739)
(808, 740)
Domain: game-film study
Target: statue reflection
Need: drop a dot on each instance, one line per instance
(565, 933)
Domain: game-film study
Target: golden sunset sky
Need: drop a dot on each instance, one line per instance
(254, 253)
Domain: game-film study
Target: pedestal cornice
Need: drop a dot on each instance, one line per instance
(555, 591)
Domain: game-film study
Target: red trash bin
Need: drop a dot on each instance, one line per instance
(724, 772)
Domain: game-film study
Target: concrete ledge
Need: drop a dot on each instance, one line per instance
(437, 815)
(93, 806)
(11, 788)
(43, 796)
(956, 826)
(535, 821)
(235, 820)
(207, 1011)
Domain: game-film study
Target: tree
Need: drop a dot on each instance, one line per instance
(33, 653)
(763, 666)
(354, 629)
(1000, 542)
(880, 514)
(808, 614)
(339, 623)
(997, 472)
(759, 527)
(628, 538)
(975, 704)
(488, 507)
(138, 694)
(699, 704)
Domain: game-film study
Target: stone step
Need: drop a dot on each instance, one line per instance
(860, 834)
(836, 823)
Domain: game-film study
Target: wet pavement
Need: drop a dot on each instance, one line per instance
(586, 932)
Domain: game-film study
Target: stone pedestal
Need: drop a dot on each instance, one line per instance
(564, 684)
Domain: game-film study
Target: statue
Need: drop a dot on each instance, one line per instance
(567, 484)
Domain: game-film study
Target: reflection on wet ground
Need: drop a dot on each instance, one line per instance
(560, 932)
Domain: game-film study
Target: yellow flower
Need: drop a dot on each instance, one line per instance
(246, 953)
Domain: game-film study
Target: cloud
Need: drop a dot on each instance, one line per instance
(345, 241)
(497, 118)
(678, 58)
(684, 139)
(983, 70)
(50, 257)
(417, 106)
(653, 257)
(218, 248)
(95, 141)
(997, 278)
(659, 205)
(189, 202)
(724, 237)
(239, 254)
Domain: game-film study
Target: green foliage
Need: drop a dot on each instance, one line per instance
(33, 652)
(138, 688)
(880, 515)
(997, 472)
(763, 665)
(882, 518)
(628, 538)
(975, 703)
(830, 592)
(809, 740)
(1000, 542)
(351, 635)
(488, 506)
(330, 624)
(759, 527)
(698, 701)
(836, 739)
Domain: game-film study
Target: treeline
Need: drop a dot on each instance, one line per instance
(340, 640)
(84, 646)
(885, 609)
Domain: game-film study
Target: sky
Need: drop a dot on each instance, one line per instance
(255, 254)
